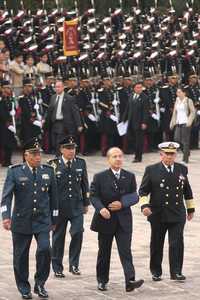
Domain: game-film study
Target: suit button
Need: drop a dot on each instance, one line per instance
(166, 203)
(167, 195)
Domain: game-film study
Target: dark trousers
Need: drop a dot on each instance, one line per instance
(139, 143)
(21, 246)
(57, 134)
(58, 242)
(176, 246)
(123, 240)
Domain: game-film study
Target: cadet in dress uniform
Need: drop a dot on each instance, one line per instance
(72, 180)
(162, 192)
(31, 125)
(168, 98)
(113, 192)
(108, 120)
(34, 214)
(7, 128)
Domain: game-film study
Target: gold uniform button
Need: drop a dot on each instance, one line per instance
(70, 189)
(70, 176)
(34, 209)
(167, 195)
(34, 200)
(70, 196)
(166, 203)
(35, 192)
(70, 182)
(176, 195)
(35, 184)
(176, 203)
(167, 187)
(177, 187)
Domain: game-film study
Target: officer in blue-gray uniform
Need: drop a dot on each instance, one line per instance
(35, 212)
(73, 196)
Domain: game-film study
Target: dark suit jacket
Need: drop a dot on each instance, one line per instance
(137, 112)
(105, 189)
(166, 192)
(71, 115)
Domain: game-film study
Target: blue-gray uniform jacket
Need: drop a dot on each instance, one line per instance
(73, 187)
(35, 206)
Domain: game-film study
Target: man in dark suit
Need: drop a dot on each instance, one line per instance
(73, 195)
(112, 193)
(137, 114)
(167, 185)
(63, 116)
(34, 214)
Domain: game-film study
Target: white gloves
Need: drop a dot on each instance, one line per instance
(92, 117)
(114, 118)
(12, 129)
(37, 123)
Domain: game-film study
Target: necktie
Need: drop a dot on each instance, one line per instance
(169, 169)
(117, 175)
(34, 173)
(68, 164)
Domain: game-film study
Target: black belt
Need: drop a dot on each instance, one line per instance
(181, 125)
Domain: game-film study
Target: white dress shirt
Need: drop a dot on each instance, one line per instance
(182, 117)
(59, 114)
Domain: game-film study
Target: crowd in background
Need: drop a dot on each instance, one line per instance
(141, 67)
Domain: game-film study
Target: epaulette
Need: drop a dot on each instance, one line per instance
(100, 90)
(53, 162)
(14, 166)
(164, 86)
(46, 165)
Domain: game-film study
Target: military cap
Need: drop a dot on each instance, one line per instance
(49, 75)
(5, 83)
(27, 81)
(169, 147)
(68, 142)
(33, 145)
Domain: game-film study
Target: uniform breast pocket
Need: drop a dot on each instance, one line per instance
(78, 175)
(45, 185)
(22, 184)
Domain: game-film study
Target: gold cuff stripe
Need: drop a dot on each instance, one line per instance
(190, 203)
(144, 200)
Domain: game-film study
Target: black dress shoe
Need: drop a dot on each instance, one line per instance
(156, 278)
(179, 277)
(134, 284)
(102, 286)
(74, 270)
(40, 291)
(27, 295)
(59, 275)
(136, 160)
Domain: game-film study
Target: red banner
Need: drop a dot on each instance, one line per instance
(70, 38)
